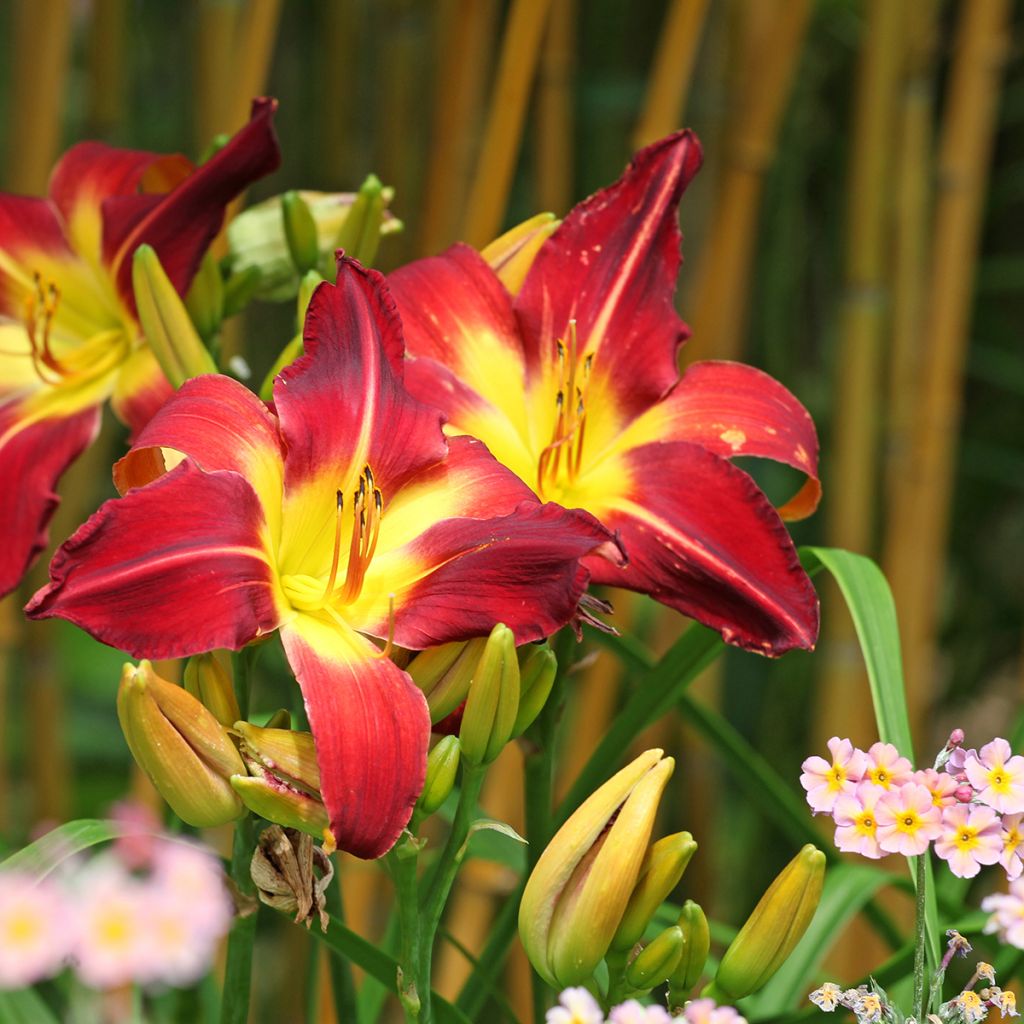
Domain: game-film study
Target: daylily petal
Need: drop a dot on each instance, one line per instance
(33, 455)
(342, 407)
(371, 727)
(185, 221)
(141, 390)
(169, 570)
(612, 266)
(703, 539)
(732, 409)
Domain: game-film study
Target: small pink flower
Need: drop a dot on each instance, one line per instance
(857, 827)
(958, 758)
(1007, 910)
(825, 782)
(971, 836)
(705, 1011)
(1013, 837)
(191, 876)
(632, 1012)
(885, 767)
(998, 776)
(33, 929)
(908, 820)
(941, 786)
(575, 1006)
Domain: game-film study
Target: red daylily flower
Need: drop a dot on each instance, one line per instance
(344, 512)
(573, 383)
(69, 336)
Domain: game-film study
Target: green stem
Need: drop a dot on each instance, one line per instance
(343, 986)
(444, 877)
(919, 938)
(402, 862)
(484, 978)
(234, 1007)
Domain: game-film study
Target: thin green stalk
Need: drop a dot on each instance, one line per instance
(402, 863)
(313, 986)
(919, 937)
(343, 986)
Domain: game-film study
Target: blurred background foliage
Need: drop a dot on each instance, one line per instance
(856, 232)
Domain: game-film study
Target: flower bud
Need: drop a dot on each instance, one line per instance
(241, 287)
(205, 298)
(184, 750)
(774, 927)
(657, 960)
(210, 683)
(442, 767)
(512, 254)
(299, 232)
(493, 700)
(580, 887)
(444, 673)
(696, 947)
(538, 667)
(283, 784)
(964, 794)
(165, 321)
(663, 866)
(360, 233)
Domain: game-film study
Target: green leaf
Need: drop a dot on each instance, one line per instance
(25, 1006)
(48, 852)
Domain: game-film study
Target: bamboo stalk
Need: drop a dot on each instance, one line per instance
(725, 265)
(10, 635)
(217, 23)
(669, 84)
(466, 37)
(253, 53)
(107, 66)
(339, 67)
(555, 114)
(40, 49)
(916, 543)
(520, 52)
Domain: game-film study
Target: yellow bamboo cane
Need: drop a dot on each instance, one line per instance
(107, 65)
(916, 543)
(554, 124)
(669, 84)
(520, 52)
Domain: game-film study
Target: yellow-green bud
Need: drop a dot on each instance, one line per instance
(444, 673)
(360, 234)
(205, 298)
(210, 683)
(774, 927)
(442, 767)
(493, 699)
(657, 960)
(512, 254)
(284, 781)
(697, 936)
(579, 889)
(299, 232)
(165, 321)
(240, 289)
(178, 743)
(538, 667)
(663, 866)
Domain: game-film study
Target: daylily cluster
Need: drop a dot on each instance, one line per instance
(578, 1006)
(970, 804)
(871, 1005)
(114, 923)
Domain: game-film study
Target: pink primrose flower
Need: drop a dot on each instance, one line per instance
(908, 820)
(998, 776)
(33, 929)
(575, 1006)
(1007, 910)
(632, 1012)
(1013, 838)
(971, 836)
(705, 1011)
(192, 876)
(857, 827)
(941, 786)
(885, 767)
(825, 782)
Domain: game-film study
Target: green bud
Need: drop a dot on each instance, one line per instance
(309, 284)
(538, 667)
(493, 699)
(580, 887)
(299, 231)
(657, 960)
(165, 321)
(774, 927)
(210, 683)
(663, 866)
(444, 673)
(697, 945)
(205, 298)
(360, 233)
(280, 719)
(442, 767)
(281, 805)
(240, 289)
(178, 743)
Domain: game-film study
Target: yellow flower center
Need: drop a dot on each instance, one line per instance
(880, 777)
(836, 777)
(999, 780)
(966, 838)
(21, 929)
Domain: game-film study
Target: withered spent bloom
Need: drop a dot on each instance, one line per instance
(285, 868)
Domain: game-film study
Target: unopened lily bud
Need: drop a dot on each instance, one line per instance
(538, 667)
(580, 887)
(204, 299)
(493, 700)
(511, 255)
(663, 866)
(283, 784)
(165, 321)
(210, 683)
(657, 960)
(179, 744)
(775, 926)
(360, 234)
(299, 232)
(697, 945)
(240, 289)
(444, 673)
(442, 767)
